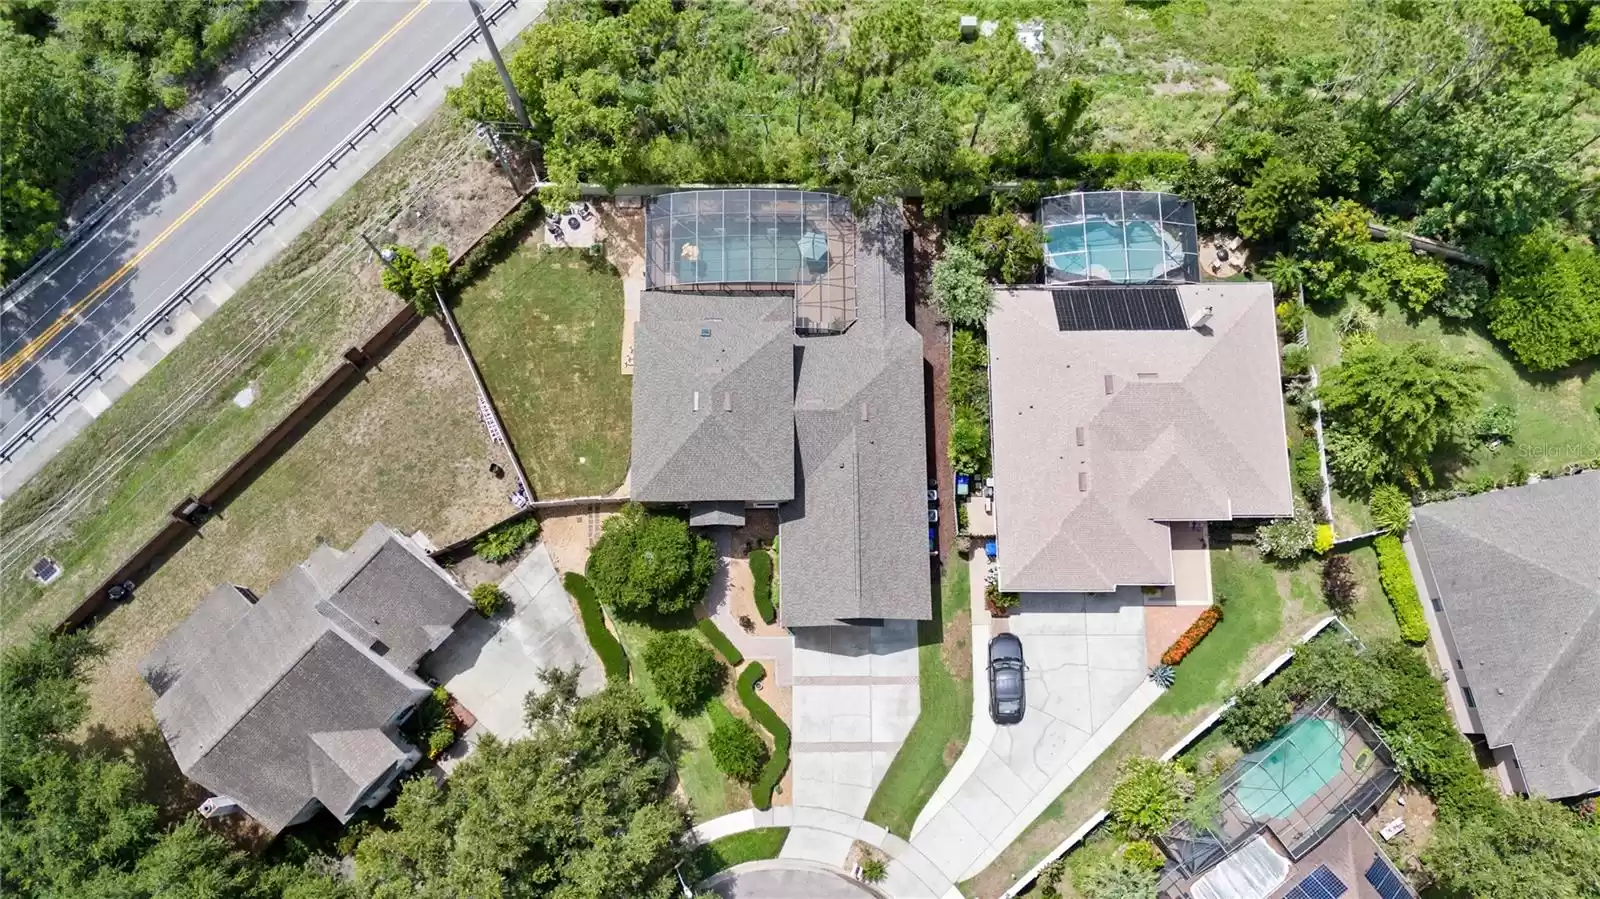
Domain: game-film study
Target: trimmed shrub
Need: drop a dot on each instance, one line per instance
(604, 643)
(761, 574)
(736, 746)
(1395, 575)
(1390, 508)
(648, 564)
(503, 541)
(1291, 319)
(960, 291)
(489, 599)
(1306, 464)
(1191, 637)
(719, 641)
(761, 791)
(685, 673)
(432, 726)
(969, 441)
(874, 868)
(1148, 796)
(1258, 712)
(1287, 539)
(1144, 854)
(1339, 584)
(1296, 360)
(1324, 540)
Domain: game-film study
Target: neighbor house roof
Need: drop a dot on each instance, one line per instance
(292, 698)
(1106, 425)
(1518, 574)
(713, 398)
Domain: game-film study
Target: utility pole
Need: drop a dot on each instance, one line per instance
(512, 96)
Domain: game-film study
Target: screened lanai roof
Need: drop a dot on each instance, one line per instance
(757, 238)
(1119, 237)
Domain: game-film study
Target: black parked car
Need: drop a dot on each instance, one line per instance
(1007, 699)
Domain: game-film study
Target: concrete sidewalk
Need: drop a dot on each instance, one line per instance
(1085, 684)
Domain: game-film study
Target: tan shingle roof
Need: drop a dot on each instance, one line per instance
(1192, 429)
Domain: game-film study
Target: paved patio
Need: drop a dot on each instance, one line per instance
(855, 699)
(490, 666)
(1085, 685)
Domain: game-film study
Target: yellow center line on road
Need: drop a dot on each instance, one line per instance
(11, 366)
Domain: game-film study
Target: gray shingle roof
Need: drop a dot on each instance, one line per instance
(712, 410)
(293, 698)
(1519, 577)
(1191, 429)
(854, 535)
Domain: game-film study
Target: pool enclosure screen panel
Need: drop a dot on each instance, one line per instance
(1119, 237)
(742, 237)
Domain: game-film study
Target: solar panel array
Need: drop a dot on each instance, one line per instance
(1386, 881)
(1319, 884)
(1119, 309)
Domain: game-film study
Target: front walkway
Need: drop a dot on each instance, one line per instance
(824, 837)
(1085, 685)
(490, 666)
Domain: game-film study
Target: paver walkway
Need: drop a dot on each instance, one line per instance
(824, 837)
(490, 666)
(1085, 685)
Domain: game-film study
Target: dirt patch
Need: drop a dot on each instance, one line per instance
(569, 534)
(473, 571)
(1419, 814)
(956, 650)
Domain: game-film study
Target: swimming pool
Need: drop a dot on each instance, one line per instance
(1291, 769)
(1122, 252)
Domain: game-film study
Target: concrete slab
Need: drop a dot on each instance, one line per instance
(825, 847)
(491, 666)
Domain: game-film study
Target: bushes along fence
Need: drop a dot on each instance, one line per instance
(1395, 575)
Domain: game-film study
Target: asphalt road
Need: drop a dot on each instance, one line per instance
(58, 326)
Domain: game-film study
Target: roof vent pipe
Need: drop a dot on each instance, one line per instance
(1204, 319)
(1080, 435)
(727, 401)
(1111, 385)
(1083, 482)
(697, 401)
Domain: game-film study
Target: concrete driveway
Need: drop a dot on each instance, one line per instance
(490, 666)
(778, 879)
(1085, 685)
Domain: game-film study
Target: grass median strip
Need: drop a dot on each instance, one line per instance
(735, 849)
(605, 644)
(945, 721)
(761, 791)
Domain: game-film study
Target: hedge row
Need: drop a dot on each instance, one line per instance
(761, 791)
(604, 642)
(761, 571)
(1191, 638)
(1395, 575)
(493, 246)
(719, 641)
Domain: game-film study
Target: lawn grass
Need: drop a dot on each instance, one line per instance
(545, 327)
(1268, 610)
(711, 793)
(945, 720)
(1252, 611)
(736, 849)
(1557, 423)
(314, 300)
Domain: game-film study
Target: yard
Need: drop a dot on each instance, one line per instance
(404, 447)
(1557, 422)
(109, 490)
(749, 846)
(545, 327)
(1266, 611)
(936, 740)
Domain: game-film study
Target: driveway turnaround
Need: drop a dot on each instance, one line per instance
(780, 879)
(490, 666)
(855, 699)
(1085, 685)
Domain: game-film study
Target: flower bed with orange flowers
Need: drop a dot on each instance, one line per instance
(1191, 638)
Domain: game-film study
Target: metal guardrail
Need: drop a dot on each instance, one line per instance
(138, 181)
(223, 258)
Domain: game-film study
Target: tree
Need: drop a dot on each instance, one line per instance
(1390, 508)
(1339, 584)
(902, 145)
(1548, 308)
(1010, 249)
(1394, 272)
(1528, 847)
(1276, 199)
(960, 291)
(1148, 796)
(1258, 712)
(885, 36)
(1408, 402)
(645, 564)
(416, 279)
(737, 748)
(684, 671)
(580, 809)
(969, 442)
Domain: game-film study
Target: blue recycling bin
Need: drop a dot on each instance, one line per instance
(963, 485)
(989, 548)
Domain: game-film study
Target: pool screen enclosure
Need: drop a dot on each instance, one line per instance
(757, 239)
(1119, 237)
